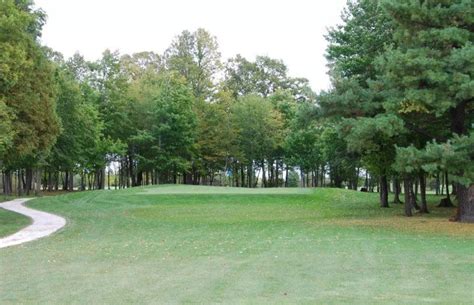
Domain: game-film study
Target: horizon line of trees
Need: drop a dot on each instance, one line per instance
(399, 111)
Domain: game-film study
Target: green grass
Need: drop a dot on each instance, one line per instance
(11, 222)
(201, 245)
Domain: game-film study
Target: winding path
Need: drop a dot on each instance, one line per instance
(44, 224)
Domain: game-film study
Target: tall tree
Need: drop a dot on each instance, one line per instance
(259, 129)
(353, 47)
(429, 74)
(196, 57)
(26, 87)
(265, 76)
(174, 131)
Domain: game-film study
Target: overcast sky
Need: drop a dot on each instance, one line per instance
(291, 30)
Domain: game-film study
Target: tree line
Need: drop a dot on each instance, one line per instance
(399, 110)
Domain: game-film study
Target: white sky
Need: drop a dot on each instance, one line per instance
(291, 30)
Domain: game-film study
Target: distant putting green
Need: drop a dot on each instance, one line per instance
(210, 190)
(202, 245)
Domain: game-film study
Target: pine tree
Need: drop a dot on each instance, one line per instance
(429, 75)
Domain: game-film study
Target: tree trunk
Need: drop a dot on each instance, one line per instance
(50, 181)
(408, 199)
(236, 176)
(71, 181)
(323, 173)
(424, 205)
(56, 181)
(437, 184)
(442, 185)
(7, 183)
(383, 192)
(277, 174)
(36, 182)
(131, 170)
(66, 181)
(139, 179)
(83, 184)
(396, 189)
(250, 175)
(29, 180)
(20, 182)
(465, 195)
(446, 202)
(356, 180)
(271, 173)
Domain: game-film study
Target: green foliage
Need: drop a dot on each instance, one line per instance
(26, 85)
(174, 131)
(354, 104)
(293, 179)
(365, 31)
(258, 126)
(6, 128)
(342, 164)
(196, 57)
(264, 77)
(302, 143)
(428, 80)
(455, 156)
(432, 67)
(216, 137)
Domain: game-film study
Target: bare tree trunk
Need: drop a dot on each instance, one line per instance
(437, 184)
(250, 175)
(7, 183)
(416, 189)
(71, 181)
(66, 181)
(408, 194)
(29, 180)
(424, 205)
(275, 174)
(442, 184)
(50, 181)
(383, 192)
(322, 176)
(56, 181)
(20, 182)
(446, 202)
(83, 185)
(465, 195)
(37, 182)
(396, 189)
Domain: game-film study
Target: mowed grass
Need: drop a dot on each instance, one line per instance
(203, 245)
(11, 222)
